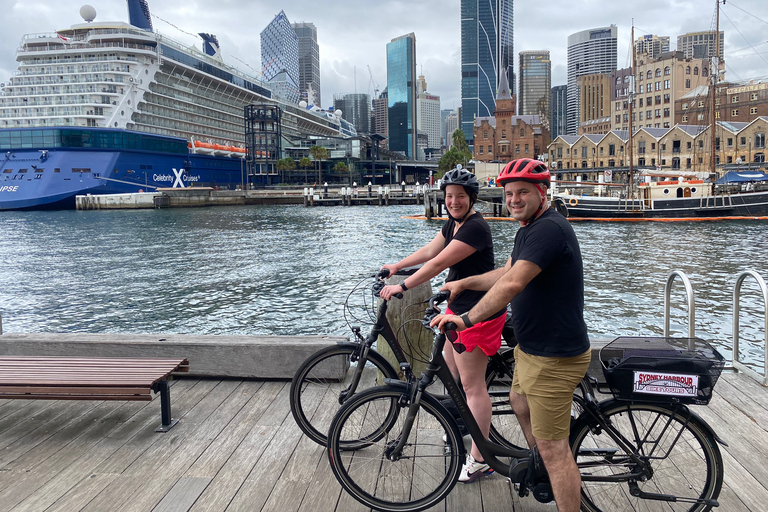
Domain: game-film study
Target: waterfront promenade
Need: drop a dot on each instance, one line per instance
(237, 448)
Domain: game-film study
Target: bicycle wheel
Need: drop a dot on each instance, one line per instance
(322, 383)
(684, 458)
(505, 430)
(424, 474)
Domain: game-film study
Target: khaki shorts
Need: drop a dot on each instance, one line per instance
(548, 384)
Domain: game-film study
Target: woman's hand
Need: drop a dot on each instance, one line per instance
(393, 269)
(387, 292)
(454, 287)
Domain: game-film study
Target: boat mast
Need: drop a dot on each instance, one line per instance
(713, 71)
(630, 184)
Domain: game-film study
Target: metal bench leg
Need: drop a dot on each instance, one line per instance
(165, 406)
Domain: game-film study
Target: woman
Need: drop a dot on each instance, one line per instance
(464, 246)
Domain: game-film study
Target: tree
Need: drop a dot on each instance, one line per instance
(286, 164)
(340, 167)
(305, 163)
(458, 154)
(318, 153)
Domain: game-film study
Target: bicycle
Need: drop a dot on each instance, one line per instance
(386, 448)
(328, 378)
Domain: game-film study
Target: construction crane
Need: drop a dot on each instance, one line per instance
(373, 84)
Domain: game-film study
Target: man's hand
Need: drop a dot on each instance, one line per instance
(441, 320)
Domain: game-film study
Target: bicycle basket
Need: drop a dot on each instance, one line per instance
(679, 370)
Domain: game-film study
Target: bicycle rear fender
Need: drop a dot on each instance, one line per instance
(436, 404)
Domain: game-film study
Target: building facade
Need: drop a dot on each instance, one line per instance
(700, 45)
(621, 83)
(535, 84)
(559, 105)
(733, 103)
(451, 125)
(309, 62)
(651, 45)
(401, 95)
(590, 52)
(428, 119)
(379, 117)
(594, 103)
(355, 108)
(487, 47)
(280, 57)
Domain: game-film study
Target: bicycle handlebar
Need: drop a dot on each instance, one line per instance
(380, 276)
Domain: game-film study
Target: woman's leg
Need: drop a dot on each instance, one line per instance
(471, 366)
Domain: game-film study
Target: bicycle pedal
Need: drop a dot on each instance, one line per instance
(542, 492)
(518, 470)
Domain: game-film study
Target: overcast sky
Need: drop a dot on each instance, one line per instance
(353, 34)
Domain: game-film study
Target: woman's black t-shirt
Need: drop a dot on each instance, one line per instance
(476, 233)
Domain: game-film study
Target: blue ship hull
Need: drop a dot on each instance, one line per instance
(50, 177)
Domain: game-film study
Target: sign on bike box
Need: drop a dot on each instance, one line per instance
(682, 370)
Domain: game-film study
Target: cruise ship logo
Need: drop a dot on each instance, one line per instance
(178, 183)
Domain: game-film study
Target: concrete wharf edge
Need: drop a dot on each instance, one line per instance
(225, 356)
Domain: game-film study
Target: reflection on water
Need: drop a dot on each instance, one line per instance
(287, 269)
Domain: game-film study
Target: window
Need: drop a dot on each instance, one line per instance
(753, 110)
(490, 149)
(687, 83)
(485, 134)
(657, 86)
(666, 71)
(640, 77)
(666, 98)
(667, 84)
(641, 88)
(503, 134)
(641, 116)
(658, 99)
(700, 117)
(583, 151)
(753, 96)
(685, 119)
(701, 104)
(658, 71)
(735, 112)
(687, 70)
(481, 149)
(735, 99)
(688, 145)
(526, 149)
(730, 142)
(759, 141)
(641, 147)
(611, 149)
(657, 112)
(649, 75)
(641, 102)
(717, 114)
(743, 141)
(701, 144)
(666, 112)
(704, 72)
(685, 106)
(696, 71)
(517, 149)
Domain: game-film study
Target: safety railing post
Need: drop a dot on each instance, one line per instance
(763, 379)
(691, 305)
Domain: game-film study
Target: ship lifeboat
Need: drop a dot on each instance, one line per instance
(237, 152)
(221, 150)
(203, 148)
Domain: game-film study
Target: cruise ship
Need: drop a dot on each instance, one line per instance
(115, 107)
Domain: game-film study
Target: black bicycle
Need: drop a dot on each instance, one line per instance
(328, 378)
(396, 448)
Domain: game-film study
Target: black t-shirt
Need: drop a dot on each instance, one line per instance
(548, 315)
(476, 233)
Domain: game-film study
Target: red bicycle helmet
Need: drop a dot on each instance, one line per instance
(525, 169)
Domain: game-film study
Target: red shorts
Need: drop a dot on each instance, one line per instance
(486, 335)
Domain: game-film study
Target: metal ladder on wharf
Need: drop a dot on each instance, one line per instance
(736, 363)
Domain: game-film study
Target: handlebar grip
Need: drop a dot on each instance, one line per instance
(398, 295)
(442, 296)
(383, 273)
(450, 326)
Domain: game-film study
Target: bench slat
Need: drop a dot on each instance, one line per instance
(53, 396)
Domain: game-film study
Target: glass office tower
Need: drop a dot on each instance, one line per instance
(280, 57)
(401, 91)
(535, 84)
(309, 61)
(486, 49)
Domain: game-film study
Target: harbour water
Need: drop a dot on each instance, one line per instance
(283, 270)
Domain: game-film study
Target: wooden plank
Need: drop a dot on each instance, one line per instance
(183, 495)
(81, 493)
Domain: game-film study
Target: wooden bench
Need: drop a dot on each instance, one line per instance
(86, 378)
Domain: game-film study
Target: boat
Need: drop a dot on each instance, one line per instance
(671, 194)
(116, 107)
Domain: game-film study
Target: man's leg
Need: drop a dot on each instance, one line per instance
(563, 473)
(523, 415)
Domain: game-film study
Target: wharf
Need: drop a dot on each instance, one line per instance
(237, 448)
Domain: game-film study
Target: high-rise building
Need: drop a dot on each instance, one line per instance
(355, 108)
(280, 57)
(594, 103)
(451, 125)
(309, 62)
(379, 117)
(590, 52)
(401, 95)
(652, 45)
(486, 49)
(428, 114)
(535, 84)
(557, 120)
(443, 116)
(700, 45)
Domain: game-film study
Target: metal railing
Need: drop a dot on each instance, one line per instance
(762, 379)
(691, 305)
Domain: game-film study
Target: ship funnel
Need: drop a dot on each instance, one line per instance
(210, 45)
(138, 14)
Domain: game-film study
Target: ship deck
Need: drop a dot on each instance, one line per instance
(238, 448)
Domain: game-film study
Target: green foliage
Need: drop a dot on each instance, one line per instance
(340, 167)
(318, 152)
(458, 154)
(305, 163)
(286, 164)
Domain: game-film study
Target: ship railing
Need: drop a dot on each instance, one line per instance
(762, 379)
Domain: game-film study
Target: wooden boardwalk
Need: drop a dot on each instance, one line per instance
(237, 448)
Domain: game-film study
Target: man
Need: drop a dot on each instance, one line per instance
(544, 281)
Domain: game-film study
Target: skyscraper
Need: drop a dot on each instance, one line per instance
(700, 45)
(280, 57)
(355, 108)
(428, 114)
(486, 49)
(590, 52)
(379, 121)
(557, 124)
(651, 44)
(535, 84)
(401, 91)
(309, 61)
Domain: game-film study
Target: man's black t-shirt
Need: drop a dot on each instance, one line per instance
(476, 233)
(548, 315)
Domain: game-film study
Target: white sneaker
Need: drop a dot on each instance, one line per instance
(474, 470)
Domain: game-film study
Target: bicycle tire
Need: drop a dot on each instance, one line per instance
(505, 430)
(315, 398)
(423, 476)
(691, 468)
